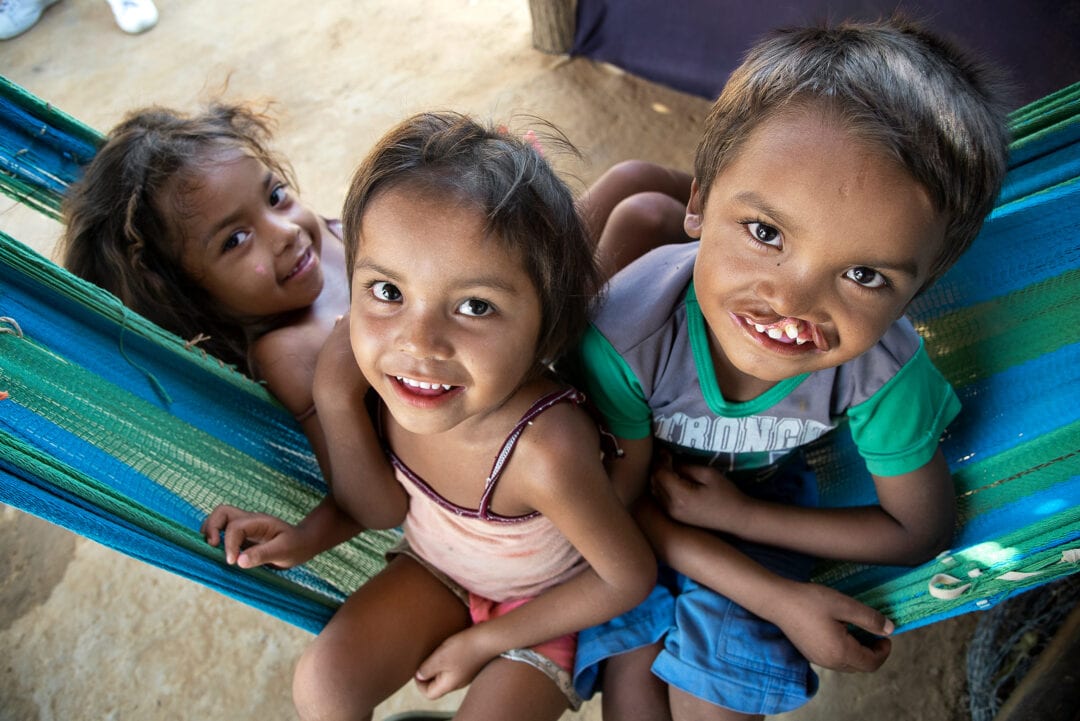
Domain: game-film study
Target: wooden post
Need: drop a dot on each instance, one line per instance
(553, 23)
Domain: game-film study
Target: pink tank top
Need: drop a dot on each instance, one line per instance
(497, 557)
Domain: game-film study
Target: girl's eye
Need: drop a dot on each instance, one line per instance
(278, 195)
(866, 277)
(476, 307)
(234, 240)
(384, 291)
(764, 233)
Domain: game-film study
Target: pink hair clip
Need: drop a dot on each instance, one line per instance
(531, 138)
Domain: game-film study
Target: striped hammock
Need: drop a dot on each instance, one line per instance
(117, 430)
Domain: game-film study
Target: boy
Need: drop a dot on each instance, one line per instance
(841, 172)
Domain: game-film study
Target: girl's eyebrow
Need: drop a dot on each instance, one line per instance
(495, 282)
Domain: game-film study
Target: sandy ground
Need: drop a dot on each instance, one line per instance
(86, 633)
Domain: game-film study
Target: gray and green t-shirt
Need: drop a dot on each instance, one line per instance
(648, 369)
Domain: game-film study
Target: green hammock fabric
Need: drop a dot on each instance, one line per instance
(118, 430)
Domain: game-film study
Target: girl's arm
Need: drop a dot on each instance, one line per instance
(364, 492)
(363, 481)
(912, 522)
(556, 470)
(814, 618)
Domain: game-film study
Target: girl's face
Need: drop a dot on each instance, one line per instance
(444, 322)
(247, 239)
(812, 244)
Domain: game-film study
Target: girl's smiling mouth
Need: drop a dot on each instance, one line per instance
(423, 387)
(306, 261)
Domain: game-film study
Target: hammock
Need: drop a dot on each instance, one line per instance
(120, 432)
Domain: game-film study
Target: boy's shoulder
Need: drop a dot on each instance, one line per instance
(863, 376)
(644, 294)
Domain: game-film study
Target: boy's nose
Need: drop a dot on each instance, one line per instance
(791, 294)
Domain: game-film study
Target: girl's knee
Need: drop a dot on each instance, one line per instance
(325, 686)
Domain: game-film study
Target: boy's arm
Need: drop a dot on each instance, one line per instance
(814, 618)
(912, 522)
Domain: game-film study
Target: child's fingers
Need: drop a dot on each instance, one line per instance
(213, 524)
(236, 534)
(867, 618)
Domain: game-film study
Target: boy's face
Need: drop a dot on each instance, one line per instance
(812, 244)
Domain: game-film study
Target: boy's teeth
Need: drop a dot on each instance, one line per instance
(759, 327)
(775, 333)
(791, 330)
(422, 385)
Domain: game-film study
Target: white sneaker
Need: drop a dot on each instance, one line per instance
(18, 16)
(134, 16)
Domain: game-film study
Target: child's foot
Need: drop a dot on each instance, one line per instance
(18, 16)
(134, 16)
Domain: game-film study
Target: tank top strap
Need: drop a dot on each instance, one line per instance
(572, 395)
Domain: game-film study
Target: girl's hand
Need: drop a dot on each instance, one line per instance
(816, 620)
(453, 665)
(698, 496)
(255, 539)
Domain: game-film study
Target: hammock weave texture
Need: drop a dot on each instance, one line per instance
(115, 429)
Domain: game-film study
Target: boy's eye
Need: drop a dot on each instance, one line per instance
(278, 195)
(476, 307)
(386, 292)
(234, 240)
(764, 233)
(866, 277)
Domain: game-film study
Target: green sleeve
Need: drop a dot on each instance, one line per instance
(897, 430)
(612, 387)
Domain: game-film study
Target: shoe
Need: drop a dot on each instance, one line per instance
(134, 16)
(18, 16)
(420, 716)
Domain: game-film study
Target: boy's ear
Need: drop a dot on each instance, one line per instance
(692, 221)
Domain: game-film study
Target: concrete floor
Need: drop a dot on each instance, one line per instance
(86, 633)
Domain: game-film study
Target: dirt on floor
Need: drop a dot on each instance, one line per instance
(87, 633)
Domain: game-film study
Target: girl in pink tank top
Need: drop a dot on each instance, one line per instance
(471, 272)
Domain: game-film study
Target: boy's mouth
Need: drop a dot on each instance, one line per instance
(789, 331)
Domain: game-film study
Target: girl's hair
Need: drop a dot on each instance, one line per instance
(123, 216)
(527, 207)
(933, 108)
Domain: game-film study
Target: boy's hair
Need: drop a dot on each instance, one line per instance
(527, 207)
(121, 216)
(936, 110)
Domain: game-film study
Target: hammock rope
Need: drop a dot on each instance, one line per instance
(124, 433)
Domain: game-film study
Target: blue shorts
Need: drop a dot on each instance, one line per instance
(712, 648)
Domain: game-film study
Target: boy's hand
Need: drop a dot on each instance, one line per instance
(453, 665)
(698, 495)
(816, 622)
(255, 539)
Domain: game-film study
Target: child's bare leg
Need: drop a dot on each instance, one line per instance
(375, 642)
(630, 690)
(636, 226)
(685, 707)
(507, 689)
(627, 178)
